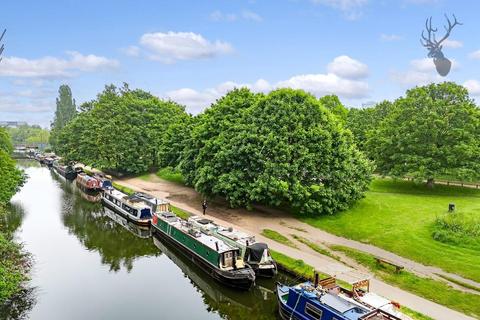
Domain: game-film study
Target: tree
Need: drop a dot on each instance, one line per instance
(221, 117)
(11, 177)
(64, 113)
(332, 103)
(124, 130)
(433, 131)
(285, 148)
(362, 121)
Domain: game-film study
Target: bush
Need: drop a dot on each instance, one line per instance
(458, 228)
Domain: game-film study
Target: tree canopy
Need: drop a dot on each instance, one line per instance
(284, 148)
(11, 178)
(432, 131)
(124, 130)
(64, 113)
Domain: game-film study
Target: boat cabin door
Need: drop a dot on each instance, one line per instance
(228, 259)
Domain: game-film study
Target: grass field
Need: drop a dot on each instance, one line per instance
(276, 236)
(430, 289)
(401, 217)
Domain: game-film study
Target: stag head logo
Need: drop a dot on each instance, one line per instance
(435, 46)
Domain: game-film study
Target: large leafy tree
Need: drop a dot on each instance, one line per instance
(221, 117)
(282, 149)
(362, 121)
(332, 103)
(433, 131)
(123, 130)
(64, 113)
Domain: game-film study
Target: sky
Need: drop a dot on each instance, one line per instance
(193, 52)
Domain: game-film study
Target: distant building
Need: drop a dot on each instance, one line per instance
(12, 124)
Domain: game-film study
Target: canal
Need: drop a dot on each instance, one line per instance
(89, 263)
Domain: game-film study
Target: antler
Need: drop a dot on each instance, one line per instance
(448, 29)
(431, 33)
(3, 46)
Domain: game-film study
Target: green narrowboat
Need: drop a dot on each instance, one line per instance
(216, 257)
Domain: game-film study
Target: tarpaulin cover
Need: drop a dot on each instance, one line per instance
(255, 251)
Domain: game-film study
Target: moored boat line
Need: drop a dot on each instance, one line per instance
(216, 257)
(255, 254)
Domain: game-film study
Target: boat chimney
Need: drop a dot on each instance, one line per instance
(315, 284)
(216, 245)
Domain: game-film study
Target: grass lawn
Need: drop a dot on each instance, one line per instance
(400, 216)
(170, 174)
(123, 189)
(430, 289)
(180, 213)
(276, 236)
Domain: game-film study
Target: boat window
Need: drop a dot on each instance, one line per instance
(312, 311)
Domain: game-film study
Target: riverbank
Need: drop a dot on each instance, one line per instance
(14, 264)
(254, 222)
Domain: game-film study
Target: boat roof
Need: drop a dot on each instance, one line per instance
(235, 235)
(347, 307)
(206, 239)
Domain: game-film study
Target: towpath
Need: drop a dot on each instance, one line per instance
(256, 220)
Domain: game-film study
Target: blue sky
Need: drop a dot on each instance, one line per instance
(195, 51)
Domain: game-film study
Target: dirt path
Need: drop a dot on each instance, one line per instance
(256, 220)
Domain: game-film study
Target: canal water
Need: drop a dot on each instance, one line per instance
(89, 263)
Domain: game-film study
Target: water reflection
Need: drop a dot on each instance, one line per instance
(259, 303)
(90, 263)
(99, 230)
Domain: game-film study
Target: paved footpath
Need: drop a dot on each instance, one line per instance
(255, 221)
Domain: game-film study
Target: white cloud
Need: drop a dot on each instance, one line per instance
(475, 55)
(421, 72)
(219, 16)
(348, 68)
(390, 37)
(323, 84)
(473, 87)
(173, 46)
(317, 84)
(51, 67)
(351, 9)
(453, 44)
(132, 51)
(249, 15)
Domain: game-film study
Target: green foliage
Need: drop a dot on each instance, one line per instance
(274, 235)
(333, 104)
(31, 135)
(433, 131)
(14, 263)
(315, 247)
(11, 178)
(414, 314)
(428, 288)
(5, 141)
(171, 174)
(125, 131)
(458, 228)
(283, 148)
(362, 121)
(64, 113)
(399, 216)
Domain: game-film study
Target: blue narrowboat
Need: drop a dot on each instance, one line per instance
(307, 301)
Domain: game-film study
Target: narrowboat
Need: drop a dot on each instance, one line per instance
(139, 231)
(105, 181)
(137, 207)
(255, 254)
(216, 257)
(325, 300)
(87, 183)
(66, 171)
